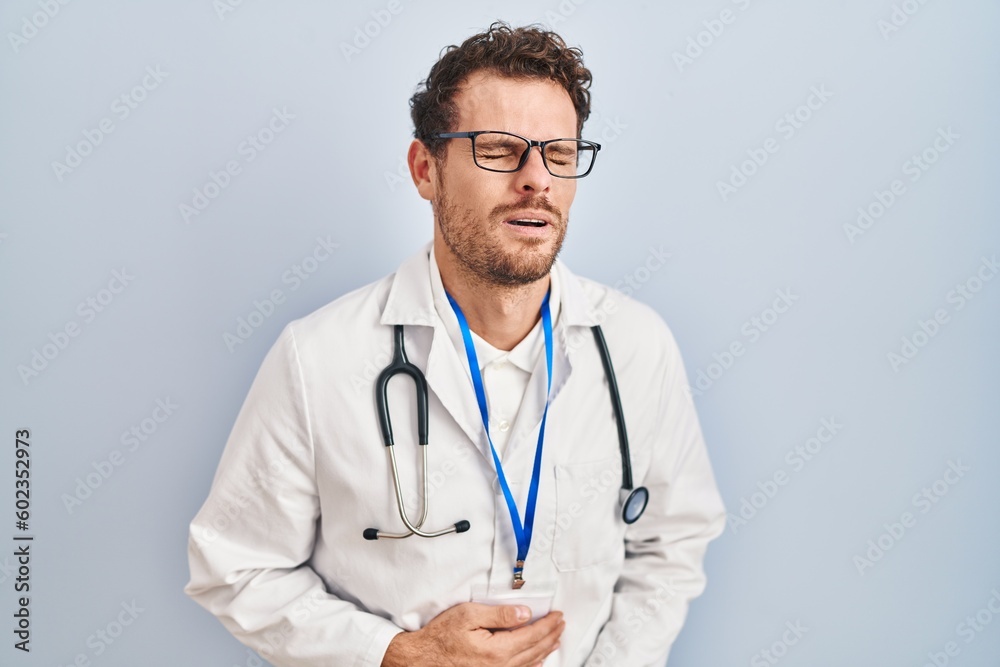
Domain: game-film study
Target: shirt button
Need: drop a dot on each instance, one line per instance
(504, 425)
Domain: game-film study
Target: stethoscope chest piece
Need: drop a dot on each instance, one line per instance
(634, 503)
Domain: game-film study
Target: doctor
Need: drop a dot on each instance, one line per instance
(279, 552)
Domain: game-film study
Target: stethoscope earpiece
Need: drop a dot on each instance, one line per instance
(375, 533)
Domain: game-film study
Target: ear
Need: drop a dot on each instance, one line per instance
(423, 169)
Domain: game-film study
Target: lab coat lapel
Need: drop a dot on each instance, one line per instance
(571, 331)
(576, 316)
(529, 416)
(410, 302)
(451, 382)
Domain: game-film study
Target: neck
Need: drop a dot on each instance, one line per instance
(502, 315)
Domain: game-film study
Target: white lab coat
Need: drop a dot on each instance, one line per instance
(277, 553)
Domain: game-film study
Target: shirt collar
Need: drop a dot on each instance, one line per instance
(524, 353)
(413, 299)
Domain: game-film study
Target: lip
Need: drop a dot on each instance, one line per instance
(529, 232)
(530, 215)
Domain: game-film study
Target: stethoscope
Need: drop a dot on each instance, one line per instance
(633, 501)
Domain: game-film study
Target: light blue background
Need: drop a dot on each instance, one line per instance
(671, 133)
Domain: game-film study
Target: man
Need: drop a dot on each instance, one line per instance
(283, 550)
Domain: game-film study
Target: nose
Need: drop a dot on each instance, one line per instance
(533, 176)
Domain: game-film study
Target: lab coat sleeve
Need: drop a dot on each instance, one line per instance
(250, 543)
(664, 549)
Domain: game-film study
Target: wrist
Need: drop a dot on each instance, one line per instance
(399, 653)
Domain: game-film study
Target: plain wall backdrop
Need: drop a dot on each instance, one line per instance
(833, 161)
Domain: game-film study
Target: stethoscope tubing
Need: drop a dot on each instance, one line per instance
(634, 500)
(400, 364)
(616, 405)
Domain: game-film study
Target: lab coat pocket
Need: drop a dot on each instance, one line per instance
(587, 531)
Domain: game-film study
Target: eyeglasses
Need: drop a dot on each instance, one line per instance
(505, 152)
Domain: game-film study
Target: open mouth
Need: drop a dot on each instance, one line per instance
(528, 223)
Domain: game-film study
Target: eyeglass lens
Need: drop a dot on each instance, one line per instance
(498, 151)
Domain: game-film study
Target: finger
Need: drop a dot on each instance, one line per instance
(532, 642)
(492, 617)
(535, 654)
(543, 626)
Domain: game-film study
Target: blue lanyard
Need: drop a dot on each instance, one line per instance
(521, 533)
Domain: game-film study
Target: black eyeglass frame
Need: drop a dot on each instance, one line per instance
(524, 156)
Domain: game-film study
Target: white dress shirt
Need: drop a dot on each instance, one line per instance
(505, 373)
(277, 552)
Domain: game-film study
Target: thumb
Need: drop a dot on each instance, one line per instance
(502, 616)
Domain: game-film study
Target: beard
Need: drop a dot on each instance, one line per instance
(481, 251)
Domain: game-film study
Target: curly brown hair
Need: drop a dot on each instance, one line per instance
(525, 52)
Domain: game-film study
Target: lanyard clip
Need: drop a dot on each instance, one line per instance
(518, 579)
